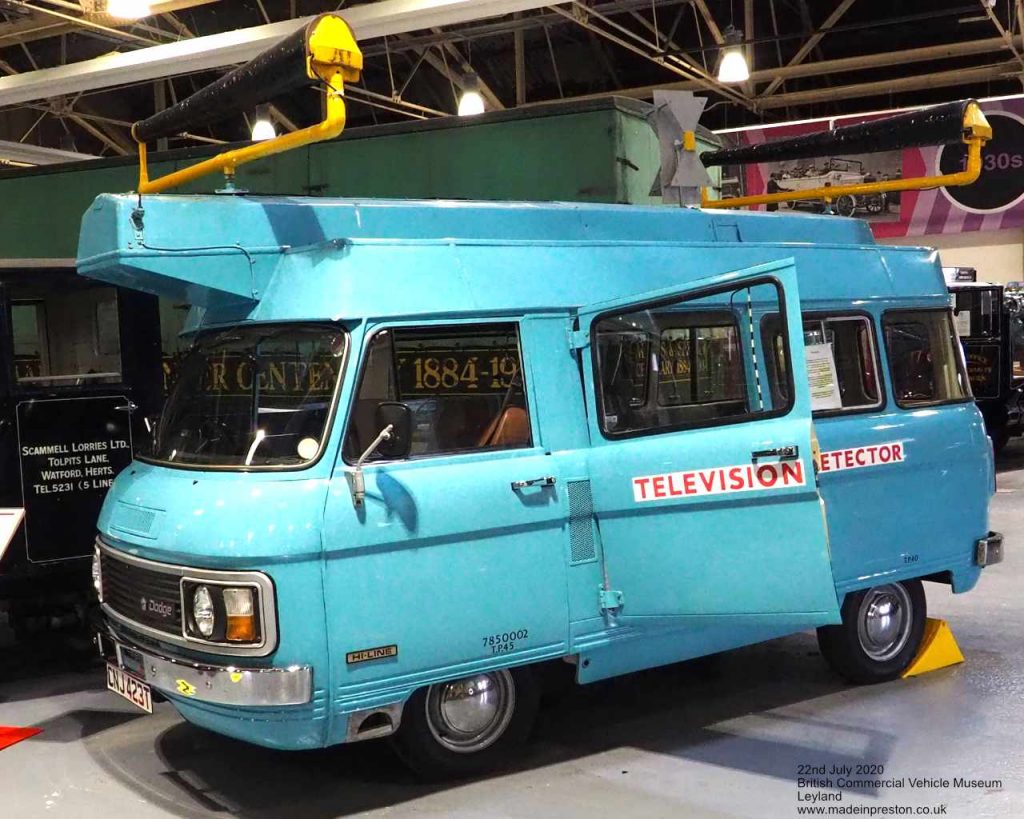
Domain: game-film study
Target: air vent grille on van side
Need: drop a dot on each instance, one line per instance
(581, 525)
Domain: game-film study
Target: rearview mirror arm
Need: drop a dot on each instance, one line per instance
(358, 485)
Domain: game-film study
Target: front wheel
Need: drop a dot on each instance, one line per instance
(846, 205)
(880, 634)
(469, 725)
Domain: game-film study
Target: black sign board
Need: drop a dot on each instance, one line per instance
(983, 369)
(70, 451)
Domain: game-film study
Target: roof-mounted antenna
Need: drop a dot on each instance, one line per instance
(676, 114)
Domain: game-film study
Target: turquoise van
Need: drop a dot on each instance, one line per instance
(419, 449)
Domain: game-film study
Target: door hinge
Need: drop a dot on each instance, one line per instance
(610, 599)
(578, 339)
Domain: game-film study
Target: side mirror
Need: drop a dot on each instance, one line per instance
(398, 416)
(394, 441)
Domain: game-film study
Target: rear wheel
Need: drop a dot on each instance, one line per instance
(880, 634)
(469, 725)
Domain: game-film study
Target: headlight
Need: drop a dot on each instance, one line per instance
(223, 614)
(202, 611)
(97, 574)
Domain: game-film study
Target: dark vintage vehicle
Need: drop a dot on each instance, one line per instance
(988, 321)
(79, 372)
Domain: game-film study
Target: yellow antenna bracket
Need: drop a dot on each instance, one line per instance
(332, 46)
(975, 124)
(330, 55)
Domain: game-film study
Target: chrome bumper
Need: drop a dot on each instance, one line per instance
(989, 550)
(220, 685)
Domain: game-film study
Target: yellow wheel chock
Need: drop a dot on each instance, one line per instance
(938, 649)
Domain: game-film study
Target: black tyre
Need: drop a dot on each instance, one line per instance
(467, 726)
(1000, 438)
(880, 634)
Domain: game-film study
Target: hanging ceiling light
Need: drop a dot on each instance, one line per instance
(263, 128)
(472, 102)
(733, 65)
(128, 9)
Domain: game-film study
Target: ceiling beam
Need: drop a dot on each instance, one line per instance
(83, 22)
(1006, 35)
(896, 85)
(709, 21)
(988, 45)
(464, 68)
(379, 19)
(629, 40)
(811, 43)
(885, 59)
(36, 155)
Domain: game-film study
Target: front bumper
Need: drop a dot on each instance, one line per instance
(989, 550)
(203, 682)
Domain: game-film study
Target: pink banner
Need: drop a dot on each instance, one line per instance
(994, 202)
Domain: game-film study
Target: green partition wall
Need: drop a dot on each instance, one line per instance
(595, 151)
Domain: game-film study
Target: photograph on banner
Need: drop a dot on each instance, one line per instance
(825, 172)
(994, 202)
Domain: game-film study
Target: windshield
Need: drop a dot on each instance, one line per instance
(253, 396)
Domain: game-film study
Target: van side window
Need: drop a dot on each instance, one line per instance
(684, 364)
(926, 365)
(463, 383)
(841, 361)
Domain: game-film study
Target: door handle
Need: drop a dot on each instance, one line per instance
(546, 481)
(783, 453)
(131, 406)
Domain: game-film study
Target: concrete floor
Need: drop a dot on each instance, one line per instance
(715, 738)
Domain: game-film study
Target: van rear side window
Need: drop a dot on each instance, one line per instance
(463, 383)
(842, 361)
(924, 358)
(685, 364)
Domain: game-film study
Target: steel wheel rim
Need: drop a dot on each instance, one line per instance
(470, 714)
(884, 621)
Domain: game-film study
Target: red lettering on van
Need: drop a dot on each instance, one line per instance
(793, 473)
(863, 456)
(767, 476)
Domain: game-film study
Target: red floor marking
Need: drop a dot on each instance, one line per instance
(12, 736)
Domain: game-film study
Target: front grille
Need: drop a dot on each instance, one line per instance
(150, 598)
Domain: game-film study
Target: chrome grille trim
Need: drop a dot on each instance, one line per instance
(267, 607)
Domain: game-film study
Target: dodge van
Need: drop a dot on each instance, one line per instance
(419, 449)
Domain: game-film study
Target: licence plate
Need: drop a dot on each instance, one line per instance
(133, 690)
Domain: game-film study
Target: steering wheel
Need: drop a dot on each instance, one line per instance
(210, 428)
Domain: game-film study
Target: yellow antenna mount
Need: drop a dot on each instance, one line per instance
(324, 51)
(944, 124)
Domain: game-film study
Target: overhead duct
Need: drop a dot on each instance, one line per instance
(380, 19)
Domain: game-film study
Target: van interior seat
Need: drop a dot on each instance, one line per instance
(510, 429)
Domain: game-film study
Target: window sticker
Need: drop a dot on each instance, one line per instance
(718, 481)
(962, 320)
(821, 372)
(862, 456)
